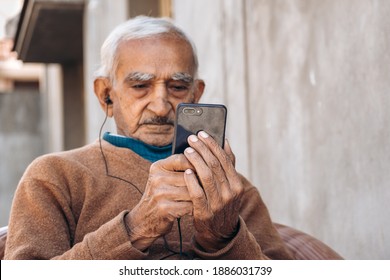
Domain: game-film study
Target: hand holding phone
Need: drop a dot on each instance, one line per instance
(213, 184)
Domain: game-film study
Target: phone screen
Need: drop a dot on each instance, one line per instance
(192, 118)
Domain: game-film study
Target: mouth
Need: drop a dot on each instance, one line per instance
(157, 124)
(158, 127)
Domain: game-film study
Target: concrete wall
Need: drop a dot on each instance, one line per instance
(100, 17)
(21, 140)
(307, 88)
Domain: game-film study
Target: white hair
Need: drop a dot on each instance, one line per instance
(137, 28)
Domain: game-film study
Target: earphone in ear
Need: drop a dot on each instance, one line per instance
(108, 100)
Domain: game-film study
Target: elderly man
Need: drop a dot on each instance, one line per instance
(125, 196)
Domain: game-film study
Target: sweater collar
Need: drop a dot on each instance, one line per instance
(148, 152)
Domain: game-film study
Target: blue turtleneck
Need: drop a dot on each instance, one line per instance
(148, 152)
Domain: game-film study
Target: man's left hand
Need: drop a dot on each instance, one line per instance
(215, 189)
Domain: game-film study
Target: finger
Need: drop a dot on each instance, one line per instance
(205, 175)
(176, 162)
(217, 151)
(171, 193)
(225, 161)
(196, 193)
(210, 158)
(168, 171)
(207, 154)
(229, 152)
(166, 177)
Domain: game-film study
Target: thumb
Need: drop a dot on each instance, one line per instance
(176, 162)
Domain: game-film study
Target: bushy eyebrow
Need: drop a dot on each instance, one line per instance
(145, 77)
(183, 77)
(139, 77)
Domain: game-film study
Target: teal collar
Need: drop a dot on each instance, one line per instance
(148, 152)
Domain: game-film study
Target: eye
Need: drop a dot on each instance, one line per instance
(140, 86)
(179, 88)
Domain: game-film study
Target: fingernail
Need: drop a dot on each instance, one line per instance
(188, 171)
(203, 134)
(193, 138)
(190, 150)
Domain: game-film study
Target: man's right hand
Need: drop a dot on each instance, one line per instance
(165, 199)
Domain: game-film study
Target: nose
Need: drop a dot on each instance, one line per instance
(159, 103)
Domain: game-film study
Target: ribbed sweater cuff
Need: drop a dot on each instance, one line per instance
(242, 247)
(111, 241)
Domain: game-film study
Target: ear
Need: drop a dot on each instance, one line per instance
(199, 88)
(102, 88)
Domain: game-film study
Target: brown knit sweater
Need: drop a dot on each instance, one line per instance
(66, 207)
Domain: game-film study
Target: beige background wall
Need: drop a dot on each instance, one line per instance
(100, 17)
(307, 87)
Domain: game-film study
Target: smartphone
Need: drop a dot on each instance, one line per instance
(192, 118)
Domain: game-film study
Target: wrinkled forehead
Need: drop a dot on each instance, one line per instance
(163, 41)
(164, 51)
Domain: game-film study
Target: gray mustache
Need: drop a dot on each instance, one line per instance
(159, 121)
